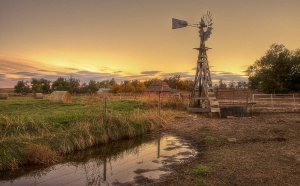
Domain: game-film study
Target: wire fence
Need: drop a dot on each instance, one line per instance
(275, 102)
(257, 102)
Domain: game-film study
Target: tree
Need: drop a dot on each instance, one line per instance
(241, 84)
(61, 84)
(22, 87)
(189, 85)
(112, 82)
(84, 88)
(232, 84)
(92, 86)
(74, 85)
(147, 83)
(139, 87)
(103, 84)
(40, 85)
(186, 85)
(277, 71)
(222, 84)
(173, 81)
(115, 88)
(127, 87)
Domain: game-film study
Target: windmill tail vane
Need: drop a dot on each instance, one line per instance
(177, 23)
(203, 99)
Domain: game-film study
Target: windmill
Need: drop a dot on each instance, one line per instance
(203, 99)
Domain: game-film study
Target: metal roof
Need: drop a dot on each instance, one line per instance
(159, 87)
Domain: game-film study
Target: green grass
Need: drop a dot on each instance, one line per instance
(201, 170)
(28, 125)
(210, 139)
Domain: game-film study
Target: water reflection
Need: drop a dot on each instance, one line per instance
(119, 163)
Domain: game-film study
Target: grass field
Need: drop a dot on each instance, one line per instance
(37, 132)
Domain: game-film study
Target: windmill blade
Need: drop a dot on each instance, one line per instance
(202, 23)
(207, 33)
(177, 23)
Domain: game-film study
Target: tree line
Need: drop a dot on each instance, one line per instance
(74, 85)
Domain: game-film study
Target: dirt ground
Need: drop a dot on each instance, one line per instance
(261, 150)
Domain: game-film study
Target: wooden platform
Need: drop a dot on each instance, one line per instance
(198, 110)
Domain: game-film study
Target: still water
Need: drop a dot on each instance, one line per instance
(119, 163)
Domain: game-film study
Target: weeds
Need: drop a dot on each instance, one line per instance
(201, 170)
(40, 154)
(209, 139)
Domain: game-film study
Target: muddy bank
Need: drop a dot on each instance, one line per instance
(262, 150)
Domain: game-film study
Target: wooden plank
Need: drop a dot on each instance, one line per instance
(214, 109)
(214, 103)
(200, 98)
(212, 98)
(198, 110)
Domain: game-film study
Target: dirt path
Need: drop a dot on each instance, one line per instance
(262, 150)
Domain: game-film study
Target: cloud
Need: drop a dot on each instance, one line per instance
(138, 76)
(10, 65)
(150, 72)
(227, 76)
(71, 69)
(226, 73)
(184, 75)
(15, 69)
(119, 71)
(215, 75)
(2, 76)
(26, 73)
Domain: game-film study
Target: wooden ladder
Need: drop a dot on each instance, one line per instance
(213, 102)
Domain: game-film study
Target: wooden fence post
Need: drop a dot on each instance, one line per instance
(272, 102)
(104, 169)
(233, 96)
(105, 111)
(294, 102)
(159, 103)
(252, 104)
(158, 147)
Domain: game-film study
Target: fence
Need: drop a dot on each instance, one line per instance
(231, 96)
(275, 102)
(256, 102)
(154, 101)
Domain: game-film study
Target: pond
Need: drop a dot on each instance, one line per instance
(118, 163)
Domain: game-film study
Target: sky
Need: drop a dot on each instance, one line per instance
(133, 39)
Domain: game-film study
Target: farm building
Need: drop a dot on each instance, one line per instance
(159, 87)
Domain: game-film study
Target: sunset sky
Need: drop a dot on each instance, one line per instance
(133, 39)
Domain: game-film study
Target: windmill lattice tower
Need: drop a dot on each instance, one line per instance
(203, 98)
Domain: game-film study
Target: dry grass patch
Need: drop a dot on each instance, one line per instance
(40, 155)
